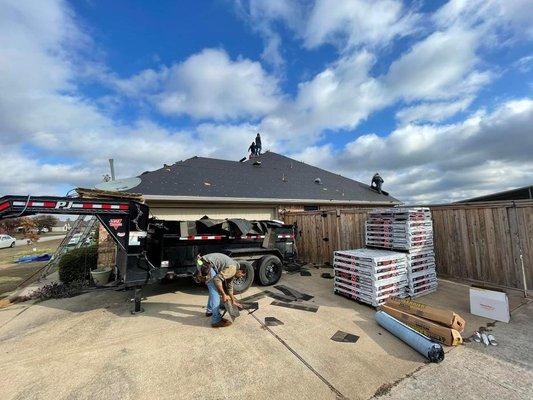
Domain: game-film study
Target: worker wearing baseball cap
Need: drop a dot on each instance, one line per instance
(218, 270)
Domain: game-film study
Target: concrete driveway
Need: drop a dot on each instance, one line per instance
(91, 347)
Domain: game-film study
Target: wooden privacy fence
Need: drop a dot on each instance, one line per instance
(488, 242)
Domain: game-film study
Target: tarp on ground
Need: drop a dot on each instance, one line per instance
(34, 258)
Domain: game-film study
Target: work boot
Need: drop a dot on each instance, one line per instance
(208, 313)
(221, 324)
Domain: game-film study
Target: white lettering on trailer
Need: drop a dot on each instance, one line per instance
(64, 205)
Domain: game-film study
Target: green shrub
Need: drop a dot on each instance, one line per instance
(77, 264)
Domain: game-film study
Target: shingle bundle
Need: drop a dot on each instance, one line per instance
(411, 230)
(421, 273)
(370, 275)
(399, 228)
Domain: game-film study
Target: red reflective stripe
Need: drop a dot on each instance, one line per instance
(123, 206)
(49, 204)
(3, 206)
(87, 205)
(106, 206)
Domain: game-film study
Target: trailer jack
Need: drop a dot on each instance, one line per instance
(137, 297)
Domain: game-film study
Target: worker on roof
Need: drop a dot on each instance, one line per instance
(218, 270)
(252, 149)
(377, 182)
(258, 144)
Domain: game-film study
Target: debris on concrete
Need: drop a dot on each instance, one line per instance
(432, 351)
(485, 339)
(492, 340)
(272, 321)
(295, 306)
(280, 297)
(345, 337)
(304, 272)
(253, 297)
(293, 292)
(327, 275)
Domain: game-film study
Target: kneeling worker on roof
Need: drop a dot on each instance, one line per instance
(218, 270)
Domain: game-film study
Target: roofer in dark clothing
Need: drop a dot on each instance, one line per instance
(252, 149)
(377, 181)
(218, 270)
(258, 144)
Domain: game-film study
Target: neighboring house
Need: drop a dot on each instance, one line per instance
(255, 189)
(522, 193)
(63, 226)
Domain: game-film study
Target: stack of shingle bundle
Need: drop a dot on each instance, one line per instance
(421, 273)
(370, 276)
(410, 230)
(379, 229)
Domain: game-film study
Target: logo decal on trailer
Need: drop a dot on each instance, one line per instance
(115, 223)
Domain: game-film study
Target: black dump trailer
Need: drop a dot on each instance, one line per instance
(150, 249)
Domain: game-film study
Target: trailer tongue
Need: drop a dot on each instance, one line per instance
(126, 221)
(149, 249)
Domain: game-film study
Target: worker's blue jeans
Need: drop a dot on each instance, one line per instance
(213, 302)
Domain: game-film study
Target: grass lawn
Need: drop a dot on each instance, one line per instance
(11, 274)
(8, 256)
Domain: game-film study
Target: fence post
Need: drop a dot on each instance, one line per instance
(518, 257)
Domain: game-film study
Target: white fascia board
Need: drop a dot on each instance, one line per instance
(247, 200)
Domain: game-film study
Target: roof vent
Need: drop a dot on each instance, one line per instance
(318, 181)
(257, 163)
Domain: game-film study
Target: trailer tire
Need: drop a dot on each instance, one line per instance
(241, 285)
(269, 269)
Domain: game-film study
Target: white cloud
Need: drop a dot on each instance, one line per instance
(515, 16)
(440, 66)
(432, 112)
(58, 137)
(207, 85)
(262, 17)
(354, 23)
(485, 153)
(54, 138)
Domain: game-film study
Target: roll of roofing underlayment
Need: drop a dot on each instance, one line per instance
(432, 351)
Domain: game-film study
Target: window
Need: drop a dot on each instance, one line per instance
(310, 208)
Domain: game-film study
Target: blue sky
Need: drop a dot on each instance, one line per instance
(436, 96)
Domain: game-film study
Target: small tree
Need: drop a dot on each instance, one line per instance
(9, 226)
(29, 229)
(45, 222)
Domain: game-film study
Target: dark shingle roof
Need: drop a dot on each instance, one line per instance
(278, 177)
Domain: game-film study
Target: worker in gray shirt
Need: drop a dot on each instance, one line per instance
(218, 270)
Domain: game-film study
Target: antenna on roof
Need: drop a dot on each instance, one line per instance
(112, 168)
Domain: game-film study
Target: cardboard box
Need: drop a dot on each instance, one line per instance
(442, 334)
(441, 316)
(489, 303)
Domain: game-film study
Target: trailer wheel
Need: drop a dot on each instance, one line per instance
(269, 270)
(241, 285)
